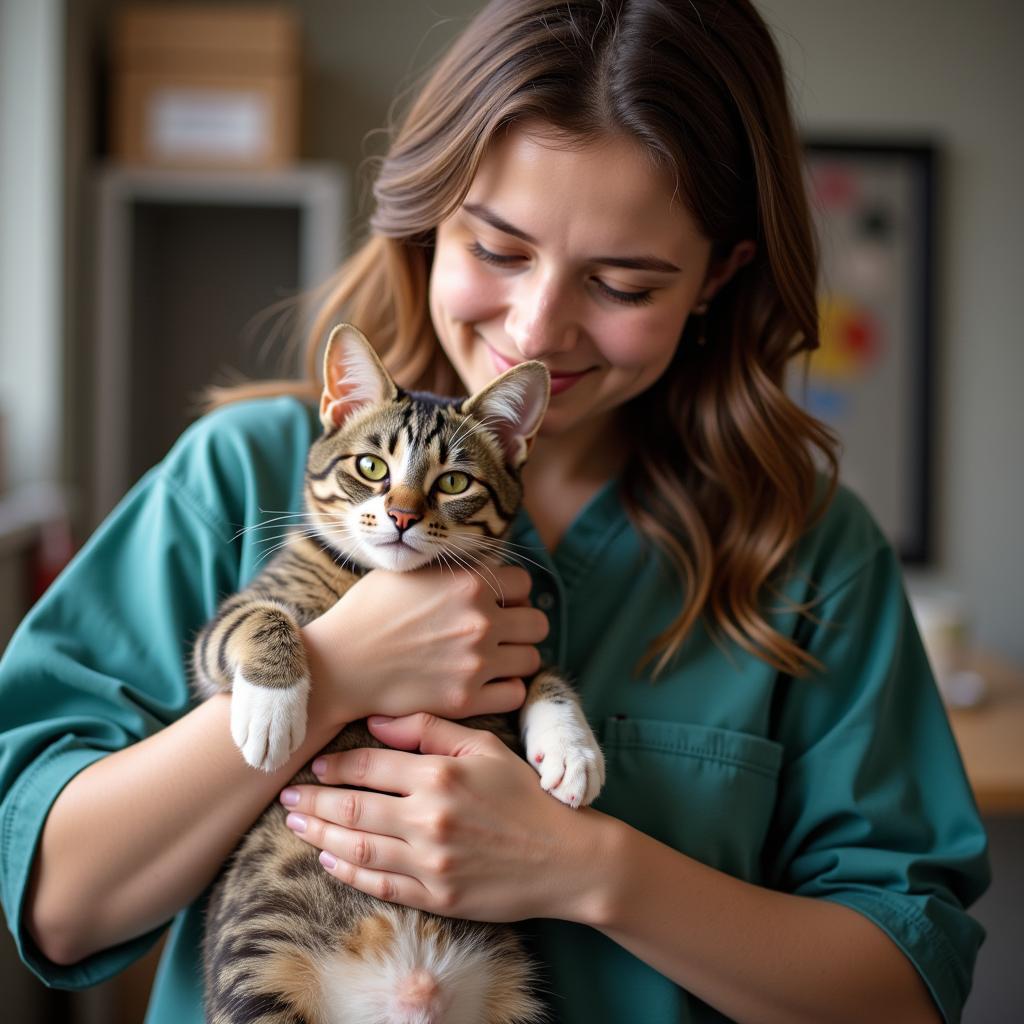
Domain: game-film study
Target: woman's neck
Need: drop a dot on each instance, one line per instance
(565, 471)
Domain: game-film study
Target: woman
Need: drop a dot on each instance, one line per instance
(786, 832)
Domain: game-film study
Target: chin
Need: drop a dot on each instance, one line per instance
(397, 557)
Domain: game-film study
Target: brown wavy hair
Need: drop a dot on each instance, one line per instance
(725, 482)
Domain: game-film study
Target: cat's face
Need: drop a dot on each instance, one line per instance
(399, 480)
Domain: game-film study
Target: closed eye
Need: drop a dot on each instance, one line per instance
(627, 298)
(486, 256)
(640, 298)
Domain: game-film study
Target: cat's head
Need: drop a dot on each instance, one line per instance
(399, 479)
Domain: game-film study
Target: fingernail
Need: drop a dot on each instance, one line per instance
(289, 797)
(380, 719)
(319, 766)
(296, 822)
(328, 861)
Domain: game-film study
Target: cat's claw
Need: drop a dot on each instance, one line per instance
(267, 723)
(565, 753)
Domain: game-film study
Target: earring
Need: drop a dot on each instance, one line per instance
(700, 310)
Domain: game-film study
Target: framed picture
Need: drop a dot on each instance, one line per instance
(872, 378)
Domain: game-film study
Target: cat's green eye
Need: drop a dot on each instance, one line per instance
(453, 483)
(372, 468)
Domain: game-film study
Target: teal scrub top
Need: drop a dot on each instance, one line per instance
(843, 786)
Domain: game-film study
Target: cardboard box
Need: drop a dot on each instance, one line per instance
(205, 86)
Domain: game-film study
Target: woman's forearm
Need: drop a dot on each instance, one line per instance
(752, 953)
(139, 834)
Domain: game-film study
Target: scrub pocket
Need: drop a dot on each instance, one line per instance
(709, 793)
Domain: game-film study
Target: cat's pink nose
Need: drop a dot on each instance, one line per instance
(403, 518)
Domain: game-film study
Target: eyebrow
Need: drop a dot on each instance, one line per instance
(654, 263)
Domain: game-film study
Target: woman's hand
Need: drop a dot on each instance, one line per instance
(428, 640)
(462, 829)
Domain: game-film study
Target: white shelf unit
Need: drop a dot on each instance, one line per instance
(186, 259)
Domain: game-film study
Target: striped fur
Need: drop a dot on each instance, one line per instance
(285, 943)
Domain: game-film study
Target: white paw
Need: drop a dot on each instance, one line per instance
(564, 751)
(267, 723)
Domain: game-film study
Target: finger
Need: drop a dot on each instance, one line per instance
(429, 734)
(368, 812)
(515, 584)
(387, 771)
(522, 626)
(388, 886)
(363, 849)
(500, 697)
(515, 660)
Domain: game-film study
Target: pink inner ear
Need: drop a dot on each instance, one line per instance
(337, 405)
(333, 411)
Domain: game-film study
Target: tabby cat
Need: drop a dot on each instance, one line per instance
(397, 480)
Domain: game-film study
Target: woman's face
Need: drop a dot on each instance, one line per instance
(580, 258)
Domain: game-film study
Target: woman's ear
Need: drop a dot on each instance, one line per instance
(721, 271)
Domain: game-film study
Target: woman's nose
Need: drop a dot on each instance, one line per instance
(541, 319)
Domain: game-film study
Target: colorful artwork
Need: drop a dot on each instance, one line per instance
(870, 378)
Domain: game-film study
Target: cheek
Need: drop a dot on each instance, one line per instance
(461, 290)
(648, 341)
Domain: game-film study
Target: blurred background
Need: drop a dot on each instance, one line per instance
(176, 180)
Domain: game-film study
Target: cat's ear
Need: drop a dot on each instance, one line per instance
(513, 406)
(354, 376)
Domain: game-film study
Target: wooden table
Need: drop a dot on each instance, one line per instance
(991, 737)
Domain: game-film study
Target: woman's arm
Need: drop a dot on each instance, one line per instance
(139, 834)
(752, 953)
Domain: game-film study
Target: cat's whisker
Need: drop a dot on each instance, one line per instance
(508, 543)
(459, 453)
(446, 561)
(276, 522)
(284, 540)
(311, 531)
(262, 542)
(465, 426)
(352, 541)
(304, 518)
(500, 548)
(486, 568)
(266, 554)
(486, 562)
(468, 428)
(263, 525)
(306, 525)
(476, 572)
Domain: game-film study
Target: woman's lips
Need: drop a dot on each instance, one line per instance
(563, 382)
(559, 381)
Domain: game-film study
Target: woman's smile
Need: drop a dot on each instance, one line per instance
(561, 380)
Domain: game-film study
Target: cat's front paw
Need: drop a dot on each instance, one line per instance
(267, 723)
(565, 753)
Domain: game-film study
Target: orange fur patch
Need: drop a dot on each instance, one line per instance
(370, 938)
(295, 975)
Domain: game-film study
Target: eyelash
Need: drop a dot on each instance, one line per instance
(625, 298)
